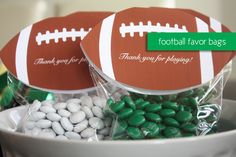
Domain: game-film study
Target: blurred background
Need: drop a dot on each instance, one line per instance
(17, 14)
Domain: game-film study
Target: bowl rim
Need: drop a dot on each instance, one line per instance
(124, 142)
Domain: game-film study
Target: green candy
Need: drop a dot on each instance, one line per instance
(171, 132)
(153, 117)
(153, 108)
(142, 105)
(161, 126)
(181, 108)
(110, 102)
(134, 133)
(155, 98)
(129, 102)
(188, 109)
(150, 129)
(139, 112)
(170, 105)
(117, 106)
(125, 113)
(187, 93)
(167, 113)
(122, 125)
(136, 120)
(138, 101)
(172, 97)
(189, 127)
(171, 122)
(183, 101)
(193, 103)
(183, 116)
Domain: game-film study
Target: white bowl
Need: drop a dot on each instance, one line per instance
(217, 145)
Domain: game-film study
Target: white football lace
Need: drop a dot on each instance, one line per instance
(64, 35)
(141, 28)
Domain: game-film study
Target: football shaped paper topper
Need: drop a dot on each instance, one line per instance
(119, 49)
(47, 54)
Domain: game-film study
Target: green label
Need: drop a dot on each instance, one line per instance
(191, 41)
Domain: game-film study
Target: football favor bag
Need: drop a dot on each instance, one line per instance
(48, 70)
(157, 94)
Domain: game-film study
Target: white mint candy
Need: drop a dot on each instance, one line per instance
(74, 100)
(60, 105)
(81, 126)
(87, 111)
(61, 137)
(108, 121)
(43, 123)
(53, 116)
(29, 125)
(97, 111)
(48, 103)
(77, 117)
(98, 101)
(72, 107)
(89, 132)
(57, 128)
(105, 131)
(35, 106)
(35, 131)
(47, 109)
(72, 136)
(28, 132)
(47, 133)
(35, 116)
(96, 123)
(100, 137)
(86, 101)
(66, 124)
(64, 113)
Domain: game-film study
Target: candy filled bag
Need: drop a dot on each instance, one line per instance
(48, 73)
(157, 94)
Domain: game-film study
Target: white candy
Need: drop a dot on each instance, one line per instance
(89, 132)
(100, 137)
(86, 101)
(35, 106)
(35, 116)
(108, 121)
(35, 131)
(81, 126)
(47, 109)
(28, 132)
(74, 100)
(43, 124)
(72, 136)
(29, 125)
(72, 107)
(61, 137)
(77, 117)
(98, 101)
(53, 116)
(96, 123)
(47, 133)
(87, 111)
(104, 131)
(97, 111)
(57, 128)
(60, 105)
(55, 120)
(48, 103)
(66, 124)
(64, 113)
